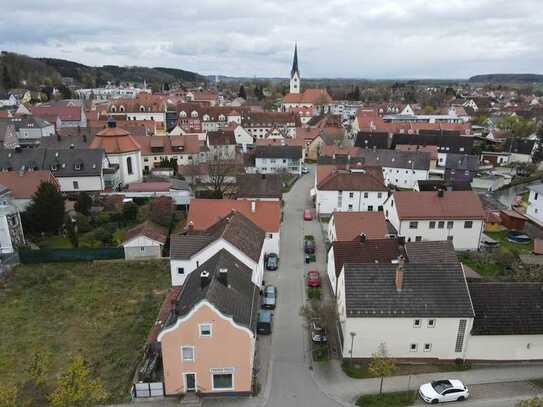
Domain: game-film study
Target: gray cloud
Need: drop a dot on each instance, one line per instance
(337, 38)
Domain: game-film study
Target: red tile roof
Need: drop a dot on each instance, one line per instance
(332, 178)
(205, 212)
(23, 185)
(313, 96)
(150, 230)
(167, 306)
(429, 205)
(349, 225)
(65, 113)
(428, 149)
(115, 140)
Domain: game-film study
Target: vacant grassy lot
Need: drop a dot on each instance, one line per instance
(101, 310)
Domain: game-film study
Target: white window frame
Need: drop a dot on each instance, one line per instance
(432, 324)
(193, 353)
(411, 349)
(429, 345)
(210, 325)
(417, 323)
(233, 374)
(183, 272)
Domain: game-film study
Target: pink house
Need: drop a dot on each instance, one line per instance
(209, 347)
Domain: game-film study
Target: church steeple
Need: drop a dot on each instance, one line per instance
(295, 73)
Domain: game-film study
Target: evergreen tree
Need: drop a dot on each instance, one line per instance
(83, 203)
(242, 93)
(45, 214)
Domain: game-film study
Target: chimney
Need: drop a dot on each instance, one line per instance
(398, 280)
(223, 276)
(440, 192)
(204, 279)
(253, 206)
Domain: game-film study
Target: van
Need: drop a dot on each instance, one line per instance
(264, 324)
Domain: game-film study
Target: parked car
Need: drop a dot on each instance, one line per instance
(272, 261)
(264, 323)
(318, 333)
(441, 391)
(305, 170)
(307, 214)
(309, 246)
(269, 297)
(313, 279)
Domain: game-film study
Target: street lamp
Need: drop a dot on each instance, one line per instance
(353, 334)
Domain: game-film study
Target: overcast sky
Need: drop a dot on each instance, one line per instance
(336, 38)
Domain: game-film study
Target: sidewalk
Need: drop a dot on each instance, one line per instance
(333, 382)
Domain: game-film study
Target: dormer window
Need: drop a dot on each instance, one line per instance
(194, 114)
(113, 109)
(78, 166)
(142, 108)
(121, 109)
(222, 118)
(54, 167)
(206, 117)
(182, 114)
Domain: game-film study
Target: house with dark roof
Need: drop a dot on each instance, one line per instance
(402, 169)
(520, 149)
(360, 250)
(208, 341)
(415, 311)
(457, 216)
(31, 130)
(145, 240)
(234, 232)
(460, 168)
(356, 188)
(277, 159)
(259, 187)
(74, 169)
(508, 323)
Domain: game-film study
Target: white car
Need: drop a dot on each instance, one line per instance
(305, 170)
(441, 391)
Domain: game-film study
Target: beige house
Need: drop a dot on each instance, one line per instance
(209, 348)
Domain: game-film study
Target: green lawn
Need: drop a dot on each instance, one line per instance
(360, 370)
(501, 237)
(102, 310)
(397, 399)
(485, 268)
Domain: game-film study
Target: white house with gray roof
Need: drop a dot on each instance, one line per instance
(414, 311)
(234, 233)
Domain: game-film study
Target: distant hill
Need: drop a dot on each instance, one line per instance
(36, 72)
(507, 78)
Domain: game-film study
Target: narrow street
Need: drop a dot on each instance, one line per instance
(291, 380)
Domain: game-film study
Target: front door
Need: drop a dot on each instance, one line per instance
(190, 382)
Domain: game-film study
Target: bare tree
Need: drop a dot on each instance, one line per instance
(221, 170)
(325, 312)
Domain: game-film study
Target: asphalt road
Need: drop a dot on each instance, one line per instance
(291, 382)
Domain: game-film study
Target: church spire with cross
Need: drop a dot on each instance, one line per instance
(295, 73)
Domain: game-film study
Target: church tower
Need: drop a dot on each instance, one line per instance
(295, 82)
